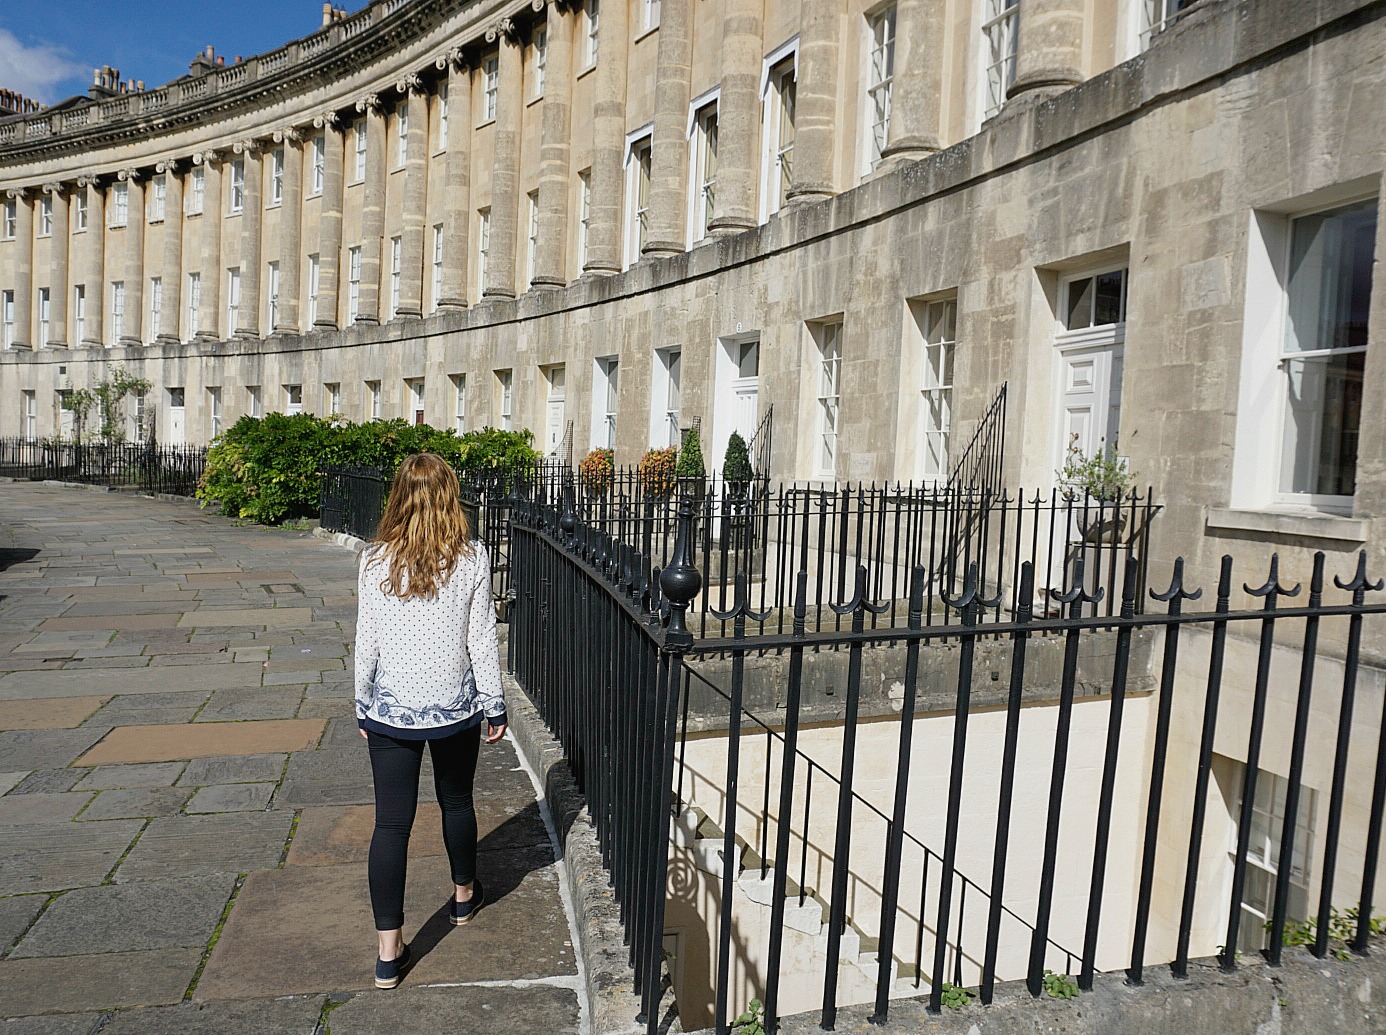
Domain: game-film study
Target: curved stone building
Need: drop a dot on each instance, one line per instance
(1154, 220)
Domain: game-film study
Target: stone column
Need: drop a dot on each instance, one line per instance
(171, 313)
(738, 119)
(456, 179)
(608, 143)
(415, 197)
(505, 167)
(94, 262)
(252, 219)
(667, 233)
(58, 279)
(1049, 49)
(815, 99)
(372, 210)
(330, 222)
(132, 265)
(555, 151)
(917, 86)
(23, 268)
(291, 231)
(209, 308)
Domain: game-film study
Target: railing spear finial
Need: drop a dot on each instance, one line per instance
(680, 582)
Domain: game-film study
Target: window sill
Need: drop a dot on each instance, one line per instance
(534, 100)
(485, 122)
(586, 71)
(1308, 524)
(650, 31)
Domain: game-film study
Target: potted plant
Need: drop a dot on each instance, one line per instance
(736, 466)
(596, 471)
(736, 480)
(655, 472)
(689, 471)
(1099, 477)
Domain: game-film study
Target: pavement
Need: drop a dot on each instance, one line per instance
(185, 801)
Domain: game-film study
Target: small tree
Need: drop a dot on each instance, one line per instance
(690, 461)
(105, 398)
(736, 464)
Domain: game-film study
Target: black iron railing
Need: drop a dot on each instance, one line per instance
(146, 466)
(600, 641)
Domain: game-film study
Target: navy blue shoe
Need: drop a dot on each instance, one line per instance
(388, 972)
(462, 912)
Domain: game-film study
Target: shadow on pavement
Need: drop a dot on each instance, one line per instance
(10, 556)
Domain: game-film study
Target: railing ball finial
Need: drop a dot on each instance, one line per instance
(680, 582)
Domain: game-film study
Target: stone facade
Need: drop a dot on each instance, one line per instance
(476, 202)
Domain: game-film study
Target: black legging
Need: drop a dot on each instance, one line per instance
(395, 766)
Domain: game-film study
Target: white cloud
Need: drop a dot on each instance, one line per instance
(35, 71)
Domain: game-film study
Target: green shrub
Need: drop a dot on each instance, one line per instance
(268, 468)
(690, 461)
(736, 465)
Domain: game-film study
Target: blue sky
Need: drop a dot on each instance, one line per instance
(49, 47)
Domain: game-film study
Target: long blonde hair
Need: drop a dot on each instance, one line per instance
(424, 531)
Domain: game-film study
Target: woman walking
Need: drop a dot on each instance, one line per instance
(427, 672)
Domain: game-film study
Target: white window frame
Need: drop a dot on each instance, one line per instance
(828, 339)
(442, 117)
(28, 399)
(9, 225)
(214, 409)
(197, 191)
(437, 279)
(938, 345)
(233, 300)
(318, 156)
(7, 316)
(459, 402)
(666, 396)
(293, 399)
(332, 392)
(272, 295)
(158, 198)
(45, 227)
(483, 246)
(584, 225)
(606, 387)
(120, 205)
(702, 153)
(416, 410)
(402, 133)
(237, 192)
(1263, 396)
(194, 302)
(117, 321)
(45, 313)
(156, 307)
(277, 176)
(396, 265)
(591, 33)
(1155, 16)
(314, 286)
(79, 211)
(541, 58)
(256, 407)
(649, 15)
(506, 379)
(532, 250)
(490, 87)
(639, 156)
(1000, 31)
(353, 283)
(779, 78)
(360, 141)
(79, 313)
(373, 401)
(879, 76)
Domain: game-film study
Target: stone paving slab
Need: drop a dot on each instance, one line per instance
(116, 621)
(202, 772)
(165, 743)
(324, 921)
(530, 1010)
(256, 703)
(68, 984)
(16, 686)
(163, 914)
(59, 713)
(136, 802)
(147, 774)
(57, 856)
(231, 797)
(234, 842)
(49, 781)
(65, 1024)
(16, 914)
(9, 780)
(276, 617)
(39, 749)
(22, 809)
(295, 1016)
(149, 709)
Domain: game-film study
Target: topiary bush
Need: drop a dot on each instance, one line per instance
(267, 469)
(690, 461)
(736, 464)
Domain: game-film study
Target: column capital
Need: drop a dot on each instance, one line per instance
(54, 187)
(455, 58)
(128, 175)
(325, 120)
(287, 135)
(412, 82)
(369, 103)
(89, 180)
(17, 193)
(248, 147)
(503, 27)
(168, 165)
(209, 157)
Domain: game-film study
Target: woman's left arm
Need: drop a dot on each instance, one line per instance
(484, 648)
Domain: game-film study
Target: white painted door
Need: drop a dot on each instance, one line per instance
(557, 420)
(737, 406)
(1089, 403)
(177, 433)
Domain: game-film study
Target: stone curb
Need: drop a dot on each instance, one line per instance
(600, 938)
